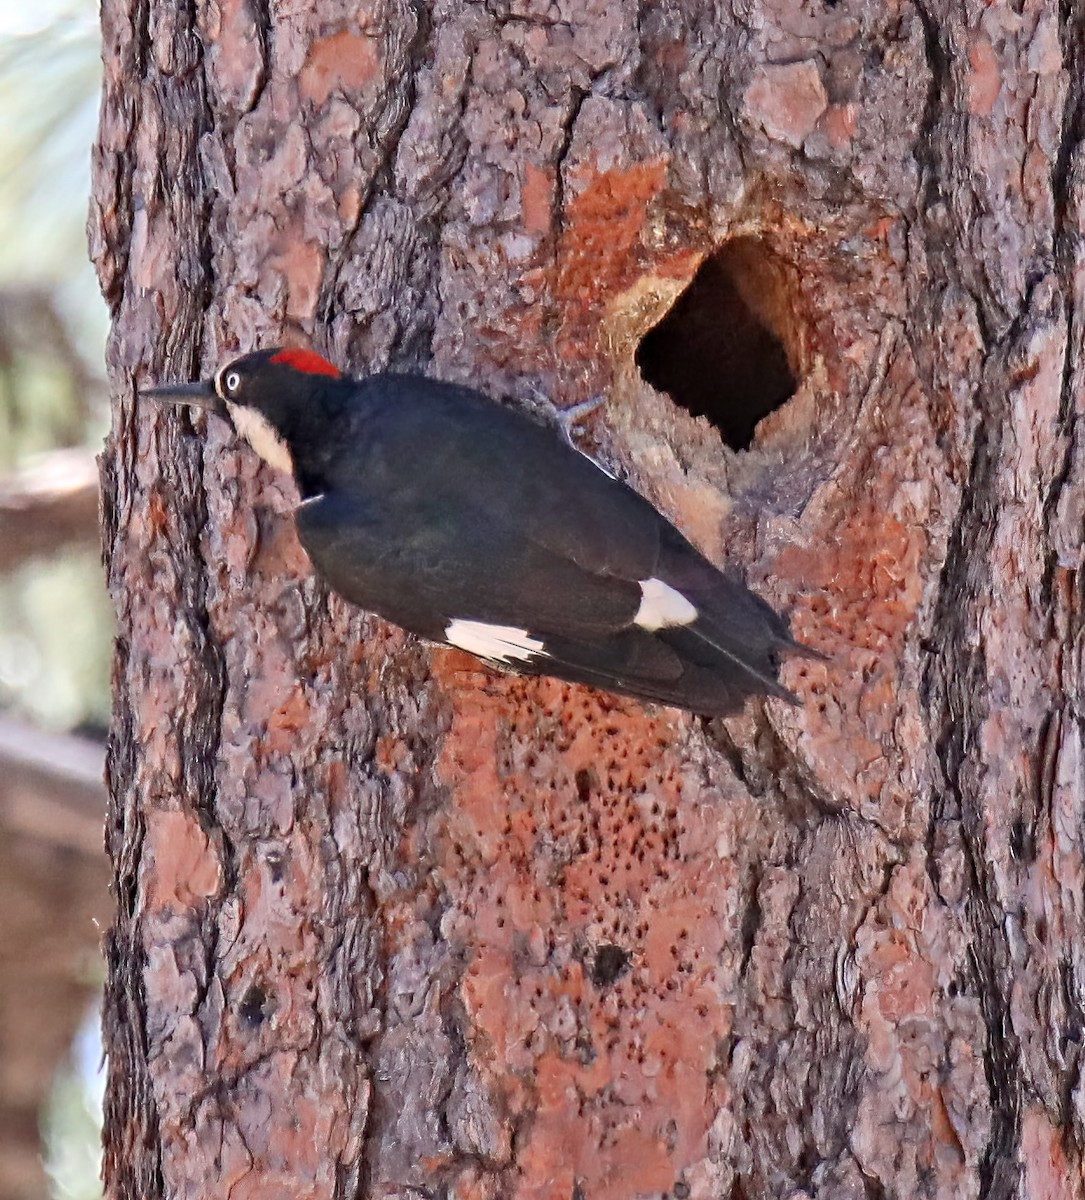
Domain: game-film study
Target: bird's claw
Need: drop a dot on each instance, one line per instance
(569, 418)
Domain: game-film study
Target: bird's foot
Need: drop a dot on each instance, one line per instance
(569, 418)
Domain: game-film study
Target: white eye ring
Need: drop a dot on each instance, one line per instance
(231, 382)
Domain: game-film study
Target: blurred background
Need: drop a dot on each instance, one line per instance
(55, 620)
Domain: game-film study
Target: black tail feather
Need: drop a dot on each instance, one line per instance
(674, 666)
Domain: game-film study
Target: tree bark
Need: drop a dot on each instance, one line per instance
(391, 926)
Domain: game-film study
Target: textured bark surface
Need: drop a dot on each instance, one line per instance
(390, 926)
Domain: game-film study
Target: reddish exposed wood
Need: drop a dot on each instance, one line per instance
(389, 925)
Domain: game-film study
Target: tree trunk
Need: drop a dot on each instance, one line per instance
(392, 926)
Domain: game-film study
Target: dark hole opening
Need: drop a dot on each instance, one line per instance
(609, 965)
(720, 352)
(253, 1010)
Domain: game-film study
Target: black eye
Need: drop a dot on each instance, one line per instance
(231, 382)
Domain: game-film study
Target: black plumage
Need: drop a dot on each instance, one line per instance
(467, 523)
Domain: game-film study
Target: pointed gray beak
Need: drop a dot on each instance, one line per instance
(194, 395)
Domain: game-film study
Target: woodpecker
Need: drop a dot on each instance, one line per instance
(468, 523)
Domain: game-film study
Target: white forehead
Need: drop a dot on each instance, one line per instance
(261, 435)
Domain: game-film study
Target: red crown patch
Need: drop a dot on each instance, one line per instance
(308, 361)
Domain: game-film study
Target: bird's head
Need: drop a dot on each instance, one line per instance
(263, 394)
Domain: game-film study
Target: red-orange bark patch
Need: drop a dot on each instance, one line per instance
(985, 77)
(570, 828)
(301, 263)
(786, 100)
(182, 867)
(536, 197)
(1048, 1173)
(603, 228)
(285, 722)
(343, 62)
(601, 252)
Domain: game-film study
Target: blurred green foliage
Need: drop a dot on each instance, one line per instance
(72, 1120)
(56, 625)
(55, 641)
(55, 621)
(50, 74)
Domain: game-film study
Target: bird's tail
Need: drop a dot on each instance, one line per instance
(736, 639)
(709, 667)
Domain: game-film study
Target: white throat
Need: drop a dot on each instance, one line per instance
(261, 435)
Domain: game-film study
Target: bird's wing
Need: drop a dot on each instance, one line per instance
(474, 456)
(478, 585)
(422, 564)
(418, 582)
(508, 528)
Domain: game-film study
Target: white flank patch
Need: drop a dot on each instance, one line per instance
(498, 643)
(261, 435)
(661, 606)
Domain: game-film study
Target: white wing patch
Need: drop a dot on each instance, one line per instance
(498, 643)
(661, 606)
(261, 435)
